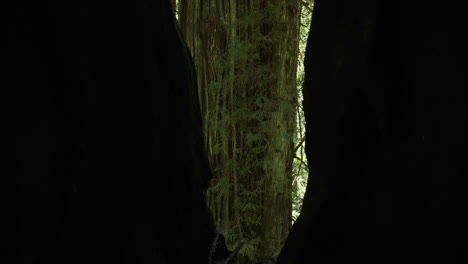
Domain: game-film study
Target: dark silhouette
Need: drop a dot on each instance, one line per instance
(385, 104)
(105, 139)
(104, 135)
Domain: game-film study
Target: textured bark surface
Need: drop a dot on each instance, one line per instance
(246, 57)
(104, 135)
(384, 101)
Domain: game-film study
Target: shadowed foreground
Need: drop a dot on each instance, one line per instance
(104, 135)
(385, 103)
(105, 138)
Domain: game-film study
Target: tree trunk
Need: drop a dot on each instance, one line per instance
(104, 137)
(384, 103)
(245, 53)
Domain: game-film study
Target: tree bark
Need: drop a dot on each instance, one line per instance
(104, 135)
(246, 57)
(385, 135)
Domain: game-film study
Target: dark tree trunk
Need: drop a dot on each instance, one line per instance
(384, 101)
(101, 98)
(104, 135)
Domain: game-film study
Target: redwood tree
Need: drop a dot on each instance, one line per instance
(245, 53)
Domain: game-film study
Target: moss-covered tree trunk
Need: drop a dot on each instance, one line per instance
(246, 56)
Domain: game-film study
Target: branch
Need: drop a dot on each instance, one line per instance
(306, 5)
(233, 253)
(299, 144)
(303, 163)
(215, 242)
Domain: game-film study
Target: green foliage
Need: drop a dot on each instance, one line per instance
(300, 168)
(248, 248)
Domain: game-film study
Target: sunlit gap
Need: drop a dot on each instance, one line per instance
(300, 168)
